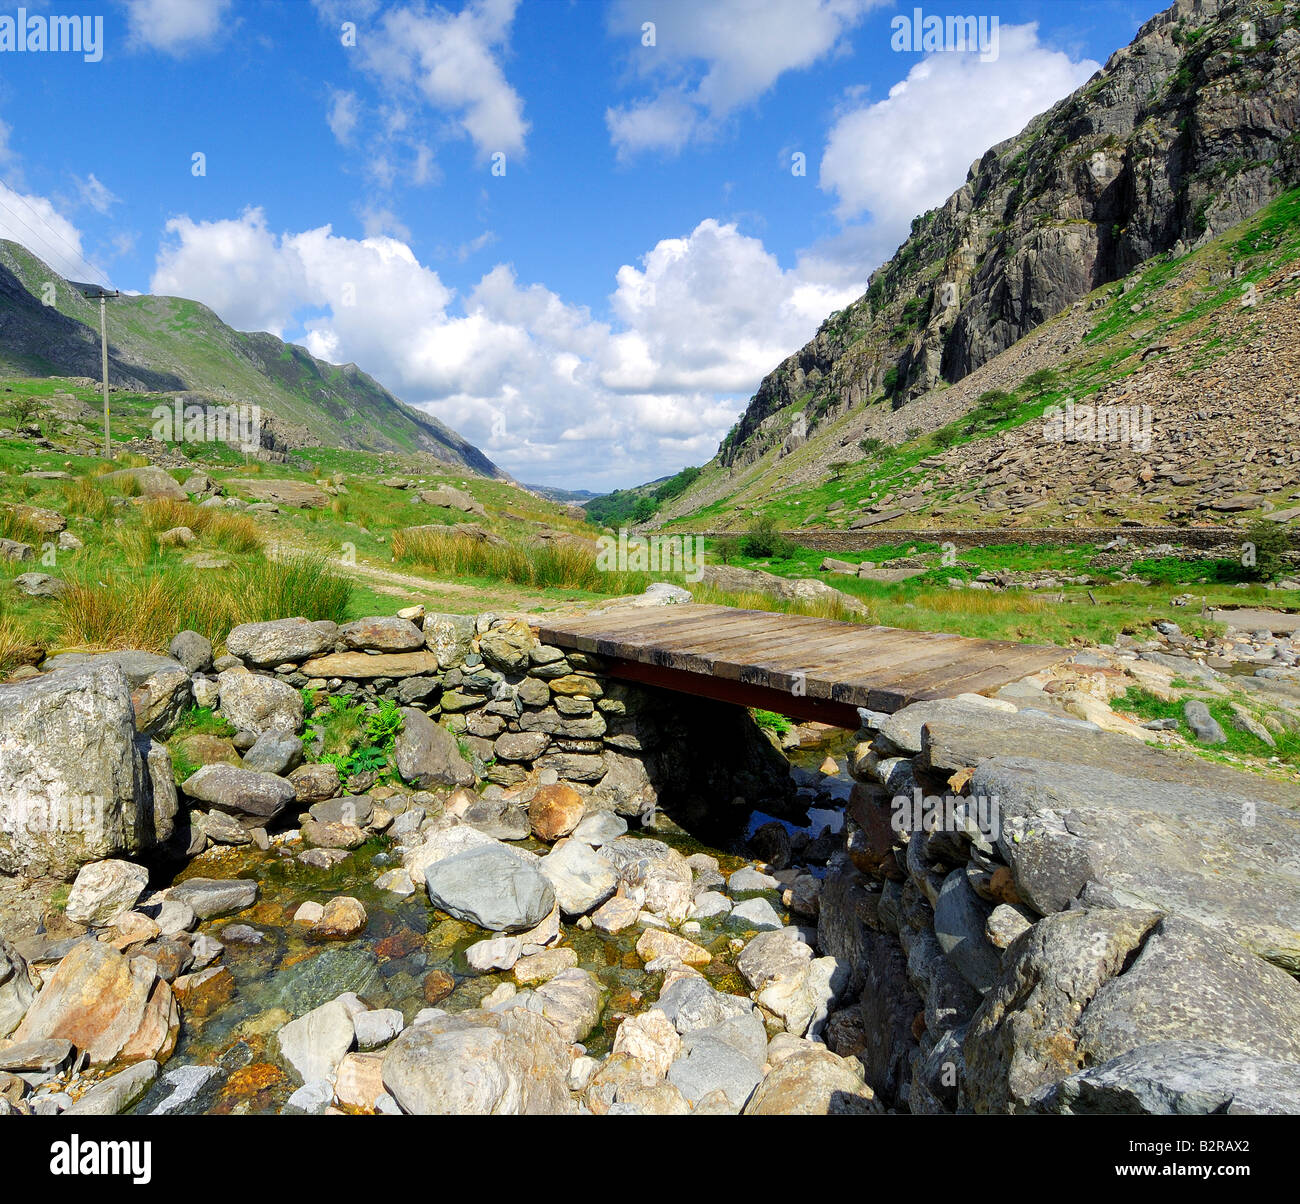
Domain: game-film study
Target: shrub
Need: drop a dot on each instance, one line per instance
(763, 540)
(1040, 382)
(726, 549)
(1266, 542)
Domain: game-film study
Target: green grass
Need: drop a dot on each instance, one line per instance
(203, 721)
(772, 722)
(1145, 707)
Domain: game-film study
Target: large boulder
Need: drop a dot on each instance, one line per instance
(571, 1002)
(452, 499)
(654, 872)
(160, 686)
(1082, 987)
(555, 811)
(1178, 1078)
(104, 891)
(17, 988)
(151, 481)
(302, 494)
(76, 785)
(160, 690)
(427, 755)
(279, 641)
(1206, 852)
(492, 886)
(581, 878)
(192, 650)
(275, 751)
(208, 897)
(314, 1044)
(812, 1082)
(242, 792)
(107, 1005)
(252, 702)
(480, 1063)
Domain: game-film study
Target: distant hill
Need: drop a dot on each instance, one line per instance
(551, 493)
(172, 345)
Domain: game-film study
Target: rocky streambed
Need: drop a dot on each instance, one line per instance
(568, 894)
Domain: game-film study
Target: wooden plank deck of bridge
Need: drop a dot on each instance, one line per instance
(805, 667)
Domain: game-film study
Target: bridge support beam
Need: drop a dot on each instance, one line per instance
(721, 689)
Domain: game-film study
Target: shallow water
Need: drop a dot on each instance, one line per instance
(290, 971)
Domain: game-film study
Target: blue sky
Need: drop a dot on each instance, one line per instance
(597, 314)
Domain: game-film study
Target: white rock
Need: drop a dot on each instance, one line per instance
(314, 1044)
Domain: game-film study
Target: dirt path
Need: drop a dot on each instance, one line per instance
(415, 589)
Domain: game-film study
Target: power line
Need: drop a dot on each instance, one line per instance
(95, 273)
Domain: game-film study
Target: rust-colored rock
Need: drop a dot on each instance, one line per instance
(96, 998)
(438, 984)
(555, 811)
(342, 918)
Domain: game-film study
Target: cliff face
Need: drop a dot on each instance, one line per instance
(1183, 134)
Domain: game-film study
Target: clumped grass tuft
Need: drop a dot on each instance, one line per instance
(85, 497)
(15, 646)
(15, 525)
(303, 583)
(559, 564)
(105, 608)
(231, 531)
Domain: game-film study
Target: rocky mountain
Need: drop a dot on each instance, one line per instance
(176, 346)
(1183, 134)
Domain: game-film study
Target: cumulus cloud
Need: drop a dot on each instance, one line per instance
(708, 60)
(34, 222)
(906, 153)
(543, 386)
(175, 27)
(422, 57)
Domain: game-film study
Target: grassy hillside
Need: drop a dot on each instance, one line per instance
(1175, 335)
(168, 344)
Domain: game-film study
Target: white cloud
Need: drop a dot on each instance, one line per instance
(342, 118)
(35, 223)
(450, 62)
(96, 194)
(711, 59)
(175, 26)
(907, 153)
(544, 387)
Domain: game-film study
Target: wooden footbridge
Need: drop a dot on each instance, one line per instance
(804, 667)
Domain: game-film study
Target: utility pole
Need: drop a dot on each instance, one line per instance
(103, 344)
